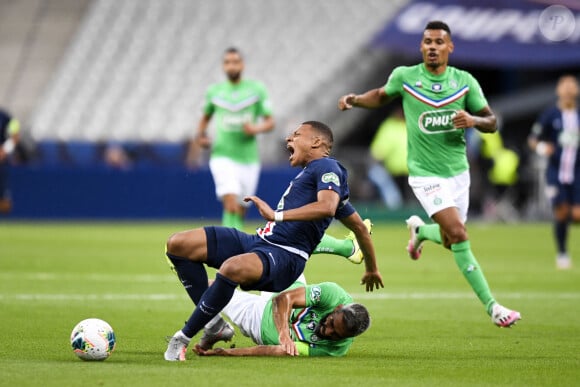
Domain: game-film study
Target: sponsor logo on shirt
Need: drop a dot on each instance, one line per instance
(436, 121)
(569, 138)
(234, 121)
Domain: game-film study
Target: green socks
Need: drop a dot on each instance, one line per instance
(331, 245)
(468, 265)
(231, 219)
(430, 232)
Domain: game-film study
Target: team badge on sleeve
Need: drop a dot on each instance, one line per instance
(331, 177)
(315, 293)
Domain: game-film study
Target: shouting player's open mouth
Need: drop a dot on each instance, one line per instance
(291, 150)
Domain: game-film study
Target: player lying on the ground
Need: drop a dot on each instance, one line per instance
(306, 320)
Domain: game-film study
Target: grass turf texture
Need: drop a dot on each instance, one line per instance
(428, 328)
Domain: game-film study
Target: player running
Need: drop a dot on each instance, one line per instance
(440, 102)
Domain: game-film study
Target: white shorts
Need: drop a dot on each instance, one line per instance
(231, 177)
(437, 193)
(246, 311)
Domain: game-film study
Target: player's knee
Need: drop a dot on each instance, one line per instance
(233, 271)
(456, 233)
(230, 203)
(176, 244)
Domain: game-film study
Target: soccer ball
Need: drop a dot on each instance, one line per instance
(93, 339)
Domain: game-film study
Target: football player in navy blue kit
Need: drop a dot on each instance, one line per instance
(9, 138)
(556, 135)
(274, 257)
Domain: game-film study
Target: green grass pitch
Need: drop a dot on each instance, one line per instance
(428, 328)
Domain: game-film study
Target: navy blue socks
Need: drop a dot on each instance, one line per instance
(561, 233)
(213, 300)
(193, 276)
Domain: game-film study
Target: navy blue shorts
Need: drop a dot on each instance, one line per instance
(563, 193)
(567, 193)
(4, 189)
(280, 267)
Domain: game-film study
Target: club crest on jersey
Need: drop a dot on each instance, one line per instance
(436, 87)
(418, 84)
(436, 121)
(330, 177)
(453, 84)
(315, 293)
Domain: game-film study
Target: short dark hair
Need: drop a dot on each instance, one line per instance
(233, 50)
(356, 318)
(438, 25)
(566, 76)
(322, 129)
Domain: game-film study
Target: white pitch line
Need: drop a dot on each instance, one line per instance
(454, 296)
(356, 296)
(43, 276)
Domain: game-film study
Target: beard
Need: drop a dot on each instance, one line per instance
(234, 76)
(318, 328)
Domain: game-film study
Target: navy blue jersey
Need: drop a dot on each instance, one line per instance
(4, 120)
(302, 237)
(563, 132)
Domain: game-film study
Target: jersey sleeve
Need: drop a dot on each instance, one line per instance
(475, 100)
(394, 84)
(344, 209)
(340, 348)
(326, 294)
(329, 176)
(264, 104)
(323, 350)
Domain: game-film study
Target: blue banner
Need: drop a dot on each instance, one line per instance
(516, 33)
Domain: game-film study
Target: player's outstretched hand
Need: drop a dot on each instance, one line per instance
(372, 280)
(289, 346)
(209, 352)
(345, 102)
(265, 210)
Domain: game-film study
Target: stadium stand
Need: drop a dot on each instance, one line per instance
(136, 70)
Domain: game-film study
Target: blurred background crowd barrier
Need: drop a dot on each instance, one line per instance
(83, 75)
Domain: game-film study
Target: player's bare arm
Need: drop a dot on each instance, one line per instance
(372, 277)
(484, 120)
(259, 350)
(282, 306)
(324, 207)
(201, 140)
(201, 137)
(371, 99)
